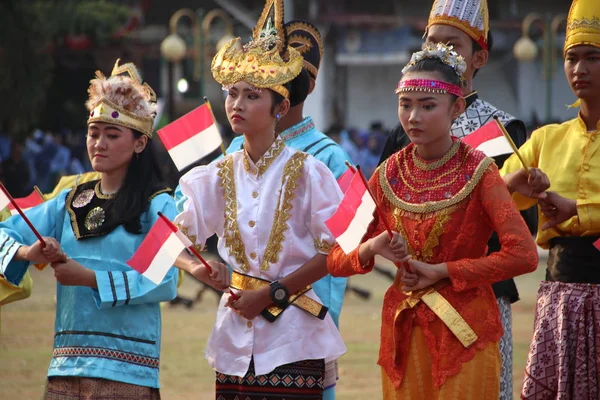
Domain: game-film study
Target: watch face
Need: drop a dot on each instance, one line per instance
(280, 294)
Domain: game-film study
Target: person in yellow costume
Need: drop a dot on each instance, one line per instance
(9, 292)
(564, 355)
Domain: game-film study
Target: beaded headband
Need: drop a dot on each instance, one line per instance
(442, 52)
(429, 86)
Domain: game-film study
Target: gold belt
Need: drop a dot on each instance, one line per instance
(299, 299)
(442, 309)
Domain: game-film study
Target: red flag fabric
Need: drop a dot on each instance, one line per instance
(354, 214)
(490, 140)
(25, 203)
(158, 251)
(346, 178)
(191, 137)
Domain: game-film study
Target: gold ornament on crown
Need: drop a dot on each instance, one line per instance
(122, 99)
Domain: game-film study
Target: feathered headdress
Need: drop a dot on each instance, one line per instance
(122, 99)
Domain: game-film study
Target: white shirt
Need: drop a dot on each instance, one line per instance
(237, 200)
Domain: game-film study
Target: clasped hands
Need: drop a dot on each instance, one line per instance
(535, 183)
(416, 274)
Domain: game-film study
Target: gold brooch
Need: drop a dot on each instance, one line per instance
(95, 218)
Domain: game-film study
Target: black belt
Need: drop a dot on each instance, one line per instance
(574, 260)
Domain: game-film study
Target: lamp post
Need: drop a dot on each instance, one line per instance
(174, 49)
(526, 50)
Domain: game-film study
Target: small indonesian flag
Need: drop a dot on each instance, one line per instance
(25, 203)
(4, 199)
(351, 220)
(191, 137)
(346, 178)
(158, 251)
(490, 140)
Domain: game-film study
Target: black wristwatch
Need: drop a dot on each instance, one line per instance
(279, 294)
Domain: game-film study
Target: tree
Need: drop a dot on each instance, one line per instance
(30, 32)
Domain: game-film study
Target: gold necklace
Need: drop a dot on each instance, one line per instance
(425, 166)
(429, 180)
(100, 195)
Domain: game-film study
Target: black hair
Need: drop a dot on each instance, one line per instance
(434, 64)
(277, 98)
(300, 87)
(477, 47)
(143, 179)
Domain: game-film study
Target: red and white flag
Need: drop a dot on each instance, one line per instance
(158, 251)
(351, 220)
(346, 178)
(25, 203)
(191, 137)
(490, 140)
(4, 199)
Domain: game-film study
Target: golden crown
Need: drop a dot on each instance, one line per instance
(122, 99)
(258, 63)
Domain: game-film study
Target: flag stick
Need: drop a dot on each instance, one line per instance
(223, 150)
(378, 209)
(350, 167)
(192, 250)
(510, 141)
(16, 206)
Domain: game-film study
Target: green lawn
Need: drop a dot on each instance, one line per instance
(27, 330)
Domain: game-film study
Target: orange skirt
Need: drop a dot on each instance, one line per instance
(478, 379)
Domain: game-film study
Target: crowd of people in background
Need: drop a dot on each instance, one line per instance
(40, 159)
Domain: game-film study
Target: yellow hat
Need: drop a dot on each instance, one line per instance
(470, 16)
(583, 24)
(122, 99)
(267, 62)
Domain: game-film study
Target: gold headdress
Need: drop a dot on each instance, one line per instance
(122, 99)
(266, 62)
(583, 24)
(470, 16)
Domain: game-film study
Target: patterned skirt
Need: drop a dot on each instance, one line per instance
(564, 356)
(506, 349)
(299, 380)
(75, 388)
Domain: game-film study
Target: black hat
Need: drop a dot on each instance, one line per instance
(306, 38)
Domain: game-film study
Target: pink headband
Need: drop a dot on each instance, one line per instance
(429, 86)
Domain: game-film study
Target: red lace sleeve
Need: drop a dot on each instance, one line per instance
(342, 264)
(518, 253)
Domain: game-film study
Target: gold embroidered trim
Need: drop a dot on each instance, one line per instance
(267, 159)
(193, 238)
(101, 195)
(303, 26)
(231, 232)
(292, 172)
(323, 246)
(430, 207)
(584, 23)
(72, 215)
(426, 166)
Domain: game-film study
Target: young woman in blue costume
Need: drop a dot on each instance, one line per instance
(108, 322)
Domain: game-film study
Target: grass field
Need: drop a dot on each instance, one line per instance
(27, 331)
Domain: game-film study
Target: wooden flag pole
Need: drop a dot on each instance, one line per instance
(388, 228)
(510, 141)
(223, 150)
(16, 206)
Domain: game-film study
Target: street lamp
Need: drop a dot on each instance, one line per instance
(526, 50)
(174, 49)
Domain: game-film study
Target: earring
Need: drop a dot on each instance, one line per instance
(278, 116)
